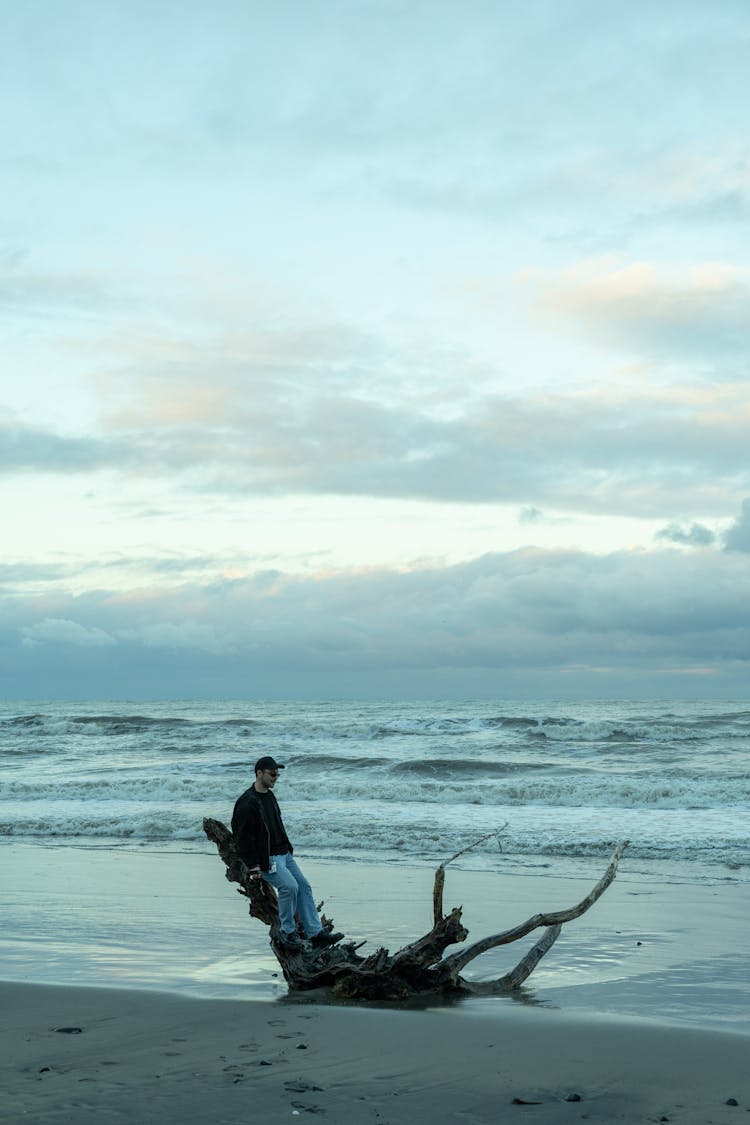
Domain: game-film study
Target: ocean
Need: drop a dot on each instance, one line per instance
(559, 783)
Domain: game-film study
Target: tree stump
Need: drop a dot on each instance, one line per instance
(418, 969)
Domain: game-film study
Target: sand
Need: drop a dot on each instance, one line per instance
(640, 1011)
(151, 1057)
(168, 920)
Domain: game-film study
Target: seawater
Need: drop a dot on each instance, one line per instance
(557, 782)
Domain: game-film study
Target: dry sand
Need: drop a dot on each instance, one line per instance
(153, 1057)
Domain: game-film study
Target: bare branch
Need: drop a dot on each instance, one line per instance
(527, 964)
(437, 890)
(451, 966)
(515, 978)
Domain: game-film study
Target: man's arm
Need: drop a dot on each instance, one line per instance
(245, 825)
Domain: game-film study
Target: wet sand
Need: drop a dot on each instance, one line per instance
(640, 1010)
(163, 919)
(100, 1056)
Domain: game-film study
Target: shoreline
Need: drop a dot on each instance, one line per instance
(168, 922)
(104, 1056)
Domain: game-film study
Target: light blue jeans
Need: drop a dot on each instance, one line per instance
(295, 896)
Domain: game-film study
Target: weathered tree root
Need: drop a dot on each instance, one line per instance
(419, 968)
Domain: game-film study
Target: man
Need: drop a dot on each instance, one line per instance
(261, 842)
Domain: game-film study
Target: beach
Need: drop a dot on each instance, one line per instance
(148, 1057)
(640, 1009)
(118, 922)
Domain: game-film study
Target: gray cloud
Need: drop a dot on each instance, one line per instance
(586, 619)
(127, 570)
(61, 631)
(643, 456)
(727, 208)
(15, 573)
(737, 537)
(697, 535)
(25, 448)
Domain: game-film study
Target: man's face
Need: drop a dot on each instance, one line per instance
(268, 778)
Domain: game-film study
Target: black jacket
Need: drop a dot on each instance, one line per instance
(252, 835)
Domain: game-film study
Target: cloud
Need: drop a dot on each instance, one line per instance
(21, 573)
(37, 293)
(176, 635)
(699, 311)
(638, 452)
(697, 535)
(535, 517)
(737, 537)
(518, 614)
(26, 448)
(61, 631)
(729, 208)
(67, 572)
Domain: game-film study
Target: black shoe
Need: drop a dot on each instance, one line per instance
(291, 941)
(324, 938)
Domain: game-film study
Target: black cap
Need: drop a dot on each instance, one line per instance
(268, 763)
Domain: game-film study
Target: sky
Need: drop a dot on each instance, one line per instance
(375, 349)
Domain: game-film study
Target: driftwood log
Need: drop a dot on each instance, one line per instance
(419, 968)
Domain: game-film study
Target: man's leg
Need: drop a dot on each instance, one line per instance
(286, 887)
(295, 895)
(306, 908)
